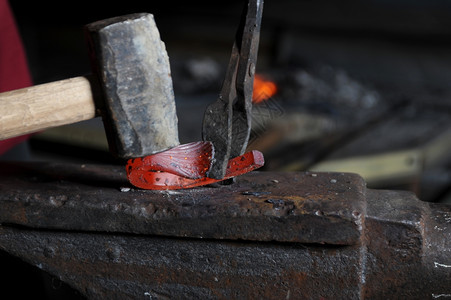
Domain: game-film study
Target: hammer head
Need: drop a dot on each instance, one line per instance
(137, 103)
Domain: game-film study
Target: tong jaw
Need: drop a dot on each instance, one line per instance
(227, 121)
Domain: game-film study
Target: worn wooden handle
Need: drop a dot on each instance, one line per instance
(44, 106)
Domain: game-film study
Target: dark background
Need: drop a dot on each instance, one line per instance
(400, 49)
(396, 52)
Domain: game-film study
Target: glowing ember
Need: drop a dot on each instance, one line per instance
(263, 89)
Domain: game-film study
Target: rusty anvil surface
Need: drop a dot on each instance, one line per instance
(269, 235)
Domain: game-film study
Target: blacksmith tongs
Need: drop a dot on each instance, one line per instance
(227, 121)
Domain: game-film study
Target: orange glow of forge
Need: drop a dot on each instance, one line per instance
(263, 89)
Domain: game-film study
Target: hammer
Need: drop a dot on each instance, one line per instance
(130, 88)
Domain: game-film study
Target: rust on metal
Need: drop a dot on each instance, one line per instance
(286, 207)
(104, 266)
(268, 236)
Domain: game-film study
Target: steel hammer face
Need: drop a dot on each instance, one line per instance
(137, 103)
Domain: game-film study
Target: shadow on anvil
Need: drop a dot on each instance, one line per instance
(85, 174)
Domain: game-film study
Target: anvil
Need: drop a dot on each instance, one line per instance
(269, 235)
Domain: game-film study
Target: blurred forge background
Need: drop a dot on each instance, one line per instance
(347, 86)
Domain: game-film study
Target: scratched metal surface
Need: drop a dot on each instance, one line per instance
(402, 255)
(103, 266)
(388, 244)
(289, 207)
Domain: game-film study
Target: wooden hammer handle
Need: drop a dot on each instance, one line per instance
(45, 106)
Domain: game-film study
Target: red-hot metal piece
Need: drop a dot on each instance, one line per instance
(189, 160)
(156, 176)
